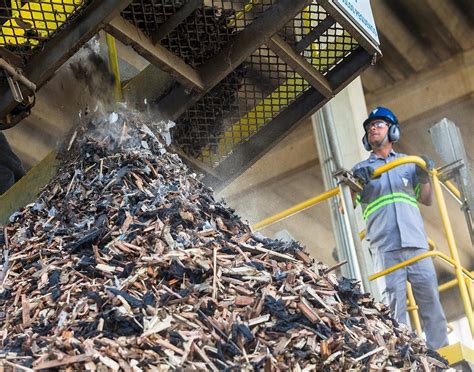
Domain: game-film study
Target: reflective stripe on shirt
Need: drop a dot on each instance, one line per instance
(389, 206)
(396, 197)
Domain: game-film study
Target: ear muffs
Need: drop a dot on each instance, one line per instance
(394, 133)
(365, 142)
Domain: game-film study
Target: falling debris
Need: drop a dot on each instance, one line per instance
(127, 262)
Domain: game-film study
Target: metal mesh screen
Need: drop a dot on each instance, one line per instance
(303, 23)
(236, 109)
(203, 33)
(331, 48)
(26, 25)
(258, 90)
(148, 16)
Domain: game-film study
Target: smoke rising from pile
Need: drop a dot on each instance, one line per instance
(91, 71)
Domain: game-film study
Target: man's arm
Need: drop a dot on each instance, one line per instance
(426, 194)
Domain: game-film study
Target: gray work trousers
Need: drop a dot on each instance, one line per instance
(422, 277)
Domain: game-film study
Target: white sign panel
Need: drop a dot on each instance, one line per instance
(361, 13)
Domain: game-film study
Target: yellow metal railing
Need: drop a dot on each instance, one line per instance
(412, 309)
(441, 255)
(431, 243)
(296, 209)
(463, 279)
(450, 186)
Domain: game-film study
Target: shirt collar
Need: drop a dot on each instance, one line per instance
(374, 157)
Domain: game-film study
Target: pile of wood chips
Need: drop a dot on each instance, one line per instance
(127, 262)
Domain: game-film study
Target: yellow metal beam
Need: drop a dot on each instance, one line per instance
(431, 243)
(413, 310)
(453, 250)
(26, 190)
(444, 257)
(295, 209)
(451, 187)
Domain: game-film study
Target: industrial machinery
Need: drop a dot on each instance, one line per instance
(235, 75)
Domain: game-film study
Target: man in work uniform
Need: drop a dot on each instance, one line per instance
(11, 169)
(395, 227)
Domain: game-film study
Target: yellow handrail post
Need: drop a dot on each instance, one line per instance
(413, 310)
(114, 65)
(470, 290)
(453, 249)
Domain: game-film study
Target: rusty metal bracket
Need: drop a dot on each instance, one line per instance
(14, 76)
(449, 171)
(346, 177)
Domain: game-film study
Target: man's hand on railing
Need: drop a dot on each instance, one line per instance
(364, 174)
(422, 175)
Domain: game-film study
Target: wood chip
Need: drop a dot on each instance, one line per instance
(126, 261)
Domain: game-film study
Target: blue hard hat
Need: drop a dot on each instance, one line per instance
(381, 113)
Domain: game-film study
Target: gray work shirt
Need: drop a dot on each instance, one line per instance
(389, 206)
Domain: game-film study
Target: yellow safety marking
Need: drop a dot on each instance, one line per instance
(269, 107)
(281, 97)
(241, 13)
(42, 18)
(256, 118)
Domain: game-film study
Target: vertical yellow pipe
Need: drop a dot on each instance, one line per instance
(470, 290)
(114, 66)
(453, 250)
(413, 310)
